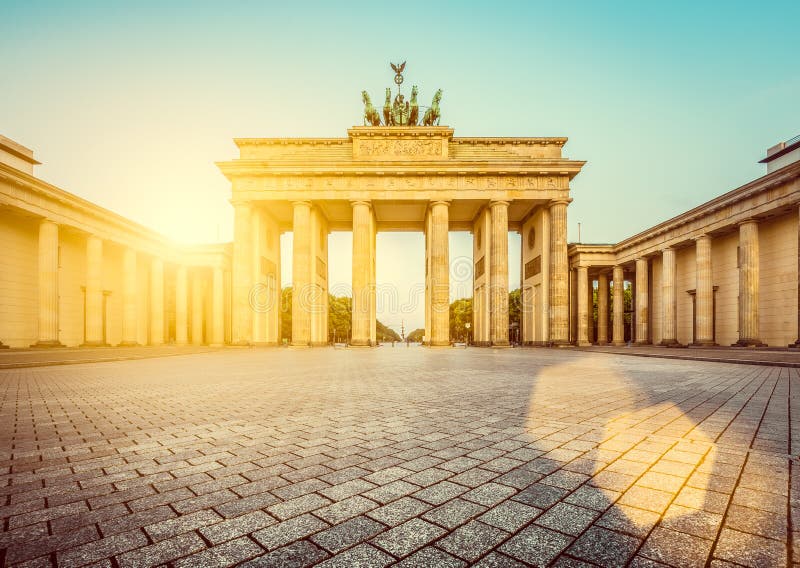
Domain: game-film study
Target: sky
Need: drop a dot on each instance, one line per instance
(129, 104)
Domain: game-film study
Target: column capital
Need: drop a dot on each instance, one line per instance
(498, 202)
(305, 202)
(444, 202)
(366, 202)
(748, 221)
(703, 237)
(554, 202)
(667, 248)
(240, 203)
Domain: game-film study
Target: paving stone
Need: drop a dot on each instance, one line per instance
(535, 545)
(510, 515)
(225, 554)
(162, 552)
(399, 511)
(391, 491)
(361, 556)
(454, 513)
(629, 520)
(604, 547)
(404, 539)
(298, 506)
(345, 509)
(440, 492)
(277, 535)
(301, 554)
(347, 534)
(750, 550)
(675, 548)
(185, 523)
(429, 557)
(489, 494)
(473, 540)
(236, 527)
(497, 560)
(541, 496)
(568, 519)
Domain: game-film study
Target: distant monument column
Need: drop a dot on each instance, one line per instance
(301, 273)
(704, 294)
(48, 285)
(559, 273)
(242, 274)
(498, 274)
(130, 286)
(642, 303)
(181, 306)
(583, 307)
(157, 301)
(748, 284)
(602, 308)
(363, 288)
(669, 335)
(440, 274)
(94, 292)
(618, 337)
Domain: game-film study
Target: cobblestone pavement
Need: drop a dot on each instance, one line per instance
(407, 455)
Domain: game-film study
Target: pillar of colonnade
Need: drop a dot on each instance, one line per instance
(559, 274)
(602, 308)
(439, 262)
(157, 301)
(94, 293)
(704, 293)
(48, 285)
(181, 306)
(618, 319)
(130, 324)
(363, 302)
(583, 306)
(498, 274)
(669, 303)
(748, 284)
(642, 308)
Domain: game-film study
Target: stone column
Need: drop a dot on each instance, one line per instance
(48, 285)
(362, 274)
(797, 342)
(157, 302)
(498, 274)
(197, 309)
(130, 286)
(218, 317)
(94, 292)
(559, 274)
(618, 335)
(583, 306)
(669, 335)
(704, 293)
(440, 274)
(301, 274)
(748, 284)
(242, 274)
(642, 303)
(181, 307)
(602, 308)
(590, 307)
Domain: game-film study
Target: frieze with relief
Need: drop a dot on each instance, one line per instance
(404, 182)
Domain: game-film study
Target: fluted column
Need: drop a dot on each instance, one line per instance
(361, 329)
(242, 274)
(498, 274)
(440, 274)
(602, 308)
(704, 293)
(797, 341)
(197, 309)
(94, 292)
(157, 302)
(181, 307)
(748, 284)
(559, 274)
(618, 331)
(642, 303)
(590, 308)
(48, 285)
(301, 274)
(669, 303)
(583, 306)
(130, 285)
(218, 301)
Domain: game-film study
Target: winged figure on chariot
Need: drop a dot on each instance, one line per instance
(398, 111)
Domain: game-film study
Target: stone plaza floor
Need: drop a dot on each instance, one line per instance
(453, 457)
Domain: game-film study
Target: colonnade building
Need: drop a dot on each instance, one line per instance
(73, 273)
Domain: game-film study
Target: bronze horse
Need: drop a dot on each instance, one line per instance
(432, 115)
(387, 108)
(414, 116)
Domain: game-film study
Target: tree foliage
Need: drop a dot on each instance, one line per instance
(416, 335)
(460, 316)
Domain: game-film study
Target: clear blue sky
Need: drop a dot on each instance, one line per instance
(129, 104)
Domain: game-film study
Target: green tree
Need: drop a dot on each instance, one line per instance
(416, 335)
(460, 316)
(385, 333)
(515, 307)
(339, 318)
(286, 314)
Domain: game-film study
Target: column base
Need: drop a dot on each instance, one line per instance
(3, 345)
(601, 343)
(704, 343)
(128, 344)
(219, 344)
(47, 344)
(559, 343)
(749, 343)
(94, 344)
(795, 345)
(670, 343)
(319, 344)
(641, 343)
(256, 344)
(241, 344)
(500, 344)
(618, 343)
(360, 343)
(481, 344)
(440, 344)
(584, 344)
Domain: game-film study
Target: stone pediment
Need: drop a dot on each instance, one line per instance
(400, 143)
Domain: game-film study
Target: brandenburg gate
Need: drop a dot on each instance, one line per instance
(399, 177)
